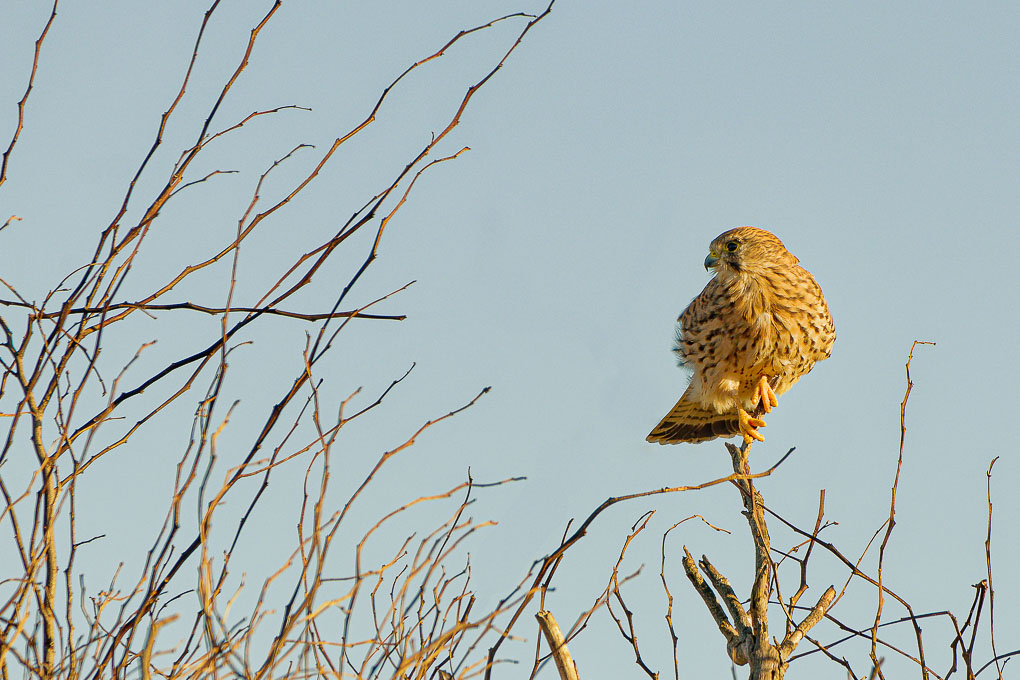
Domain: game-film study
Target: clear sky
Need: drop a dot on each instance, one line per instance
(877, 140)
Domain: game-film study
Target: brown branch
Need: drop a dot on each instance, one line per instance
(201, 180)
(355, 223)
(807, 556)
(669, 595)
(24, 99)
(737, 632)
(746, 631)
(243, 232)
(10, 220)
(741, 620)
(865, 634)
(426, 617)
(833, 550)
(547, 564)
(998, 657)
(973, 617)
(357, 314)
(613, 590)
(245, 120)
(890, 523)
(819, 647)
(558, 645)
(814, 616)
(110, 233)
(669, 604)
(988, 563)
(764, 658)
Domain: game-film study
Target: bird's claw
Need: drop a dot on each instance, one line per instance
(765, 395)
(749, 425)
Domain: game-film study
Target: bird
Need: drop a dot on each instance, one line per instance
(758, 327)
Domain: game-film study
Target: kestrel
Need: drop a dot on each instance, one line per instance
(760, 324)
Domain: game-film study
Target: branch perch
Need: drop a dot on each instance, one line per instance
(746, 631)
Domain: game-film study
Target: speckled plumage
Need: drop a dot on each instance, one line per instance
(761, 316)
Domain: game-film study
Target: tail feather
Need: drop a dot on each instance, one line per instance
(690, 422)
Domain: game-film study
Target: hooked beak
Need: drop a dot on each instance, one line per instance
(711, 260)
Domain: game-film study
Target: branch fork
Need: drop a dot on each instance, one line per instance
(746, 631)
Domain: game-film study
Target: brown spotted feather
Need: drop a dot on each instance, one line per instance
(762, 314)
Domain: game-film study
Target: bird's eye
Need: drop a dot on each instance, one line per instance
(731, 246)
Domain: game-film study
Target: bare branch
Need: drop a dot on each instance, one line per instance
(988, 564)
(215, 311)
(24, 98)
(734, 638)
(558, 645)
(890, 523)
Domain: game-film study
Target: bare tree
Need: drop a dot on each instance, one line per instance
(72, 402)
(66, 414)
(744, 623)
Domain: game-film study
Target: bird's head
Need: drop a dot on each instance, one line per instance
(746, 250)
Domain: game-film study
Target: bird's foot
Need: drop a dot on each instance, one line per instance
(749, 425)
(765, 395)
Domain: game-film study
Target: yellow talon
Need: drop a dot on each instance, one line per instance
(765, 395)
(748, 425)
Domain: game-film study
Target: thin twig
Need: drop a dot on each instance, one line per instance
(24, 98)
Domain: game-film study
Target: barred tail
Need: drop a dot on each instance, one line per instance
(690, 422)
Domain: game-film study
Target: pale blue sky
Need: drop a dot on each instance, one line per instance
(877, 140)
